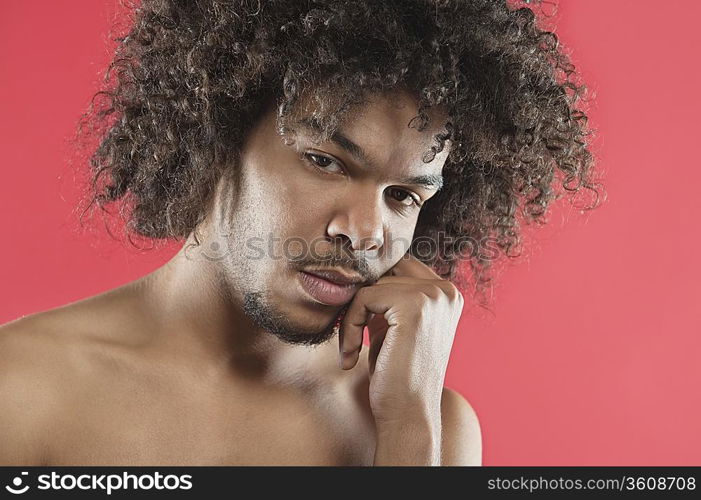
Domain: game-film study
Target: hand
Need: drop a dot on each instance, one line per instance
(411, 314)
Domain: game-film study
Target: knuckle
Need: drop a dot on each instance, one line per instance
(422, 299)
(453, 293)
(433, 292)
(361, 293)
(420, 304)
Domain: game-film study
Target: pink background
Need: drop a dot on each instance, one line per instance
(592, 355)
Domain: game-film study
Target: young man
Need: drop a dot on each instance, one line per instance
(303, 151)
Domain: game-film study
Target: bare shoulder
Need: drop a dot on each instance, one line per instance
(462, 436)
(28, 392)
(41, 371)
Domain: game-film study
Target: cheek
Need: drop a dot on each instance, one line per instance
(398, 241)
(272, 198)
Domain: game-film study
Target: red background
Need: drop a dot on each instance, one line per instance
(592, 354)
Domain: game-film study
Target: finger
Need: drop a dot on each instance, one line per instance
(377, 327)
(378, 338)
(446, 286)
(387, 280)
(377, 300)
(411, 266)
(368, 300)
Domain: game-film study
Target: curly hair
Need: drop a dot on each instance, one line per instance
(190, 77)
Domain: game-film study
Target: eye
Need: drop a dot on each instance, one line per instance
(405, 197)
(322, 162)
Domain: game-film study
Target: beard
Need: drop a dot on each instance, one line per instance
(265, 316)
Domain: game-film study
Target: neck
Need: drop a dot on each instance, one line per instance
(196, 317)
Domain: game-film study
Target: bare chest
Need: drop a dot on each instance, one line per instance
(150, 425)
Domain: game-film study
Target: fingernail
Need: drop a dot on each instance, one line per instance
(337, 331)
(347, 356)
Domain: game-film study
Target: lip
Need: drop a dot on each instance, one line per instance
(335, 276)
(327, 292)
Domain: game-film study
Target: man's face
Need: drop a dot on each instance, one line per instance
(347, 204)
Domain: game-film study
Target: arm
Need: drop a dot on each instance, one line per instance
(23, 398)
(409, 442)
(455, 440)
(411, 314)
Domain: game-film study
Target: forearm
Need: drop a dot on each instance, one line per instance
(409, 443)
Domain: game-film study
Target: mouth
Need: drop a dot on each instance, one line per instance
(327, 292)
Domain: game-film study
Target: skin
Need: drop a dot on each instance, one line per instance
(171, 369)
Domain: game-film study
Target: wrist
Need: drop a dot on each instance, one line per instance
(409, 442)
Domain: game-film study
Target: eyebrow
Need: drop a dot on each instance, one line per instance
(429, 181)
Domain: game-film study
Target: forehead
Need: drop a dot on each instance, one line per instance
(381, 127)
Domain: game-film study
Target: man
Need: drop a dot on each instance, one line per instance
(302, 150)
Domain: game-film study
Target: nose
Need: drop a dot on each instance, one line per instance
(360, 222)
